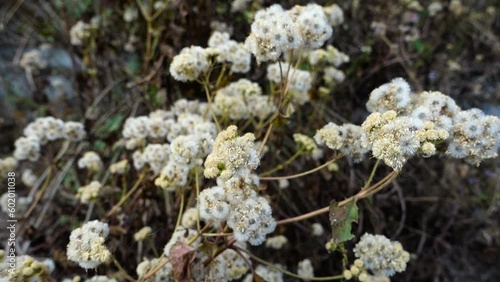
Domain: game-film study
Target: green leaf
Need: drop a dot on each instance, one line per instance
(419, 45)
(111, 125)
(341, 219)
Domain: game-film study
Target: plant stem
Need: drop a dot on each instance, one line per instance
(132, 190)
(360, 195)
(302, 173)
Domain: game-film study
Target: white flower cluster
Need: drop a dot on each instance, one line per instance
(79, 33)
(380, 255)
(232, 155)
(27, 268)
(317, 229)
(143, 233)
(7, 164)
(276, 31)
(241, 100)
(89, 192)
(474, 136)
(308, 144)
(234, 199)
(43, 130)
(190, 64)
(100, 278)
(191, 138)
(266, 273)
(436, 107)
(395, 139)
(305, 268)
(86, 245)
(334, 14)
(22, 204)
(28, 177)
(299, 81)
(230, 51)
(189, 218)
(276, 242)
(90, 161)
(394, 95)
(349, 139)
(184, 118)
(195, 61)
(120, 167)
(187, 151)
(403, 125)
(330, 56)
(32, 61)
(236, 202)
(164, 274)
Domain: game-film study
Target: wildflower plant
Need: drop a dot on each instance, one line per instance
(202, 188)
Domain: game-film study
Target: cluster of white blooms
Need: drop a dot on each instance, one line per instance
(100, 278)
(43, 130)
(191, 138)
(332, 75)
(79, 33)
(266, 273)
(241, 100)
(184, 118)
(90, 161)
(27, 148)
(186, 152)
(89, 192)
(299, 81)
(230, 51)
(317, 229)
(26, 268)
(130, 13)
(305, 268)
(276, 31)
(142, 234)
(193, 62)
(395, 138)
(434, 8)
(7, 164)
(330, 56)
(348, 138)
(190, 63)
(380, 255)
(120, 167)
(86, 245)
(334, 14)
(436, 107)
(154, 155)
(239, 5)
(22, 204)
(474, 136)
(189, 218)
(394, 95)
(32, 61)
(234, 263)
(234, 199)
(308, 144)
(276, 242)
(232, 155)
(164, 274)
(74, 131)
